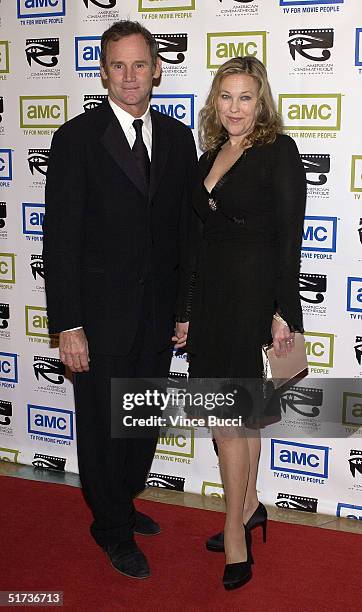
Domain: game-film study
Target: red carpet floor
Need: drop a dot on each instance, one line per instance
(45, 545)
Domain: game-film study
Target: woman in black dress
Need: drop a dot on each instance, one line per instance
(243, 290)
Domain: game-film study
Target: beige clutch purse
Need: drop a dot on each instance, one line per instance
(284, 369)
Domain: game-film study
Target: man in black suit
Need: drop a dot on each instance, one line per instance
(117, 218)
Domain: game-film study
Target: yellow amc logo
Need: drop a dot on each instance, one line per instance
(4, 57)
(43, 111)
(310, 111)
(356, 173)
(177, 441)
(36, 321)
(148, 6)
(9, 454)
(320, 349)
(222, 46)
(213, 489)
(7, 268)
(352, 409)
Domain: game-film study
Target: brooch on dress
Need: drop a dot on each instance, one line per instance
(212, 204)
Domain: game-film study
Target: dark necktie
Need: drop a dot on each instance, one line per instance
(140, 151)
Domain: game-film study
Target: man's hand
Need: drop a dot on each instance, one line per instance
(180, 337)
(73, 350)
(283, 339)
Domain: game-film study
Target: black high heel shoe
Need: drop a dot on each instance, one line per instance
(259, 517)
(238, 574)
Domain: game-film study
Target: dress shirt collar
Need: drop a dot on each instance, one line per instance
(126, 120)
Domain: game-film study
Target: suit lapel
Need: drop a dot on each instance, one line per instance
(115, 141)
(160, 151)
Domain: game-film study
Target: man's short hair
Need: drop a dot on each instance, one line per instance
(123, 28)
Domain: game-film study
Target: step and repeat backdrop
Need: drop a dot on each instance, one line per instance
(49, 72)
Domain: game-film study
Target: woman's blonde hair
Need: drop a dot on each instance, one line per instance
(267, 121)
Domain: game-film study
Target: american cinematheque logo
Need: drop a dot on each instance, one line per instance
(44, 52)
(301, 408)
(358, 350)
(4, 320)
(165, 481)
(3, 217)
(172, 51)
(237, 8)
(6, 413)
(92, 101)
(310, 50)
(2, 128)
(317, 166)
(100, 11)
(49, 370)
(103, 4)
(296, 502)
(355, 462)
(48, 462)
(312, 290)
(37, 268)
(38, 160)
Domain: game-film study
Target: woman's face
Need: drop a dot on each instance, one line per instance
(236, 104)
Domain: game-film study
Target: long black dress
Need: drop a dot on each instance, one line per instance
(244, 259)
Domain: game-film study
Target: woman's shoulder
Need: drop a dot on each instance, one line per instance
(284, 142)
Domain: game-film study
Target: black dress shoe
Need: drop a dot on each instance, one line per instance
(238, 574)
(259, 517)
(128, 559)
(144, 525)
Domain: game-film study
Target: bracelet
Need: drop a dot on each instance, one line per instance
(280, 319)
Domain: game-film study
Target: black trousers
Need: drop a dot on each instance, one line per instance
(114, 470)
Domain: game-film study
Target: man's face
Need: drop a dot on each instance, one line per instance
(129, 73)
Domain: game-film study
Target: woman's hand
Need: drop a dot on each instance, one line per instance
(283, 338)
(180, 336)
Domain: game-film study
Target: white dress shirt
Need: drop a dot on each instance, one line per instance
(126, 120)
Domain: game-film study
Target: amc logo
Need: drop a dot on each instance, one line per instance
(33, 217)
(148, 6)
(7, 267)
(349, 511)
(43, 111)
(352, 409)
(354, 294)
(9, 367)
(53, 422)
(311, 111)
(36, 321)
(320, 234)
(4, 57)
(356, 173)
(9, 454)
(213, 489)
(177, 441)
(178, 106)
(320, 349)
(297, 458)
(358, 52)
(222, 46)
(40, 8)
(6, 165)
(87, 52)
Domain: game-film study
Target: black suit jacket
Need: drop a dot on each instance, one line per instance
(106, 235)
